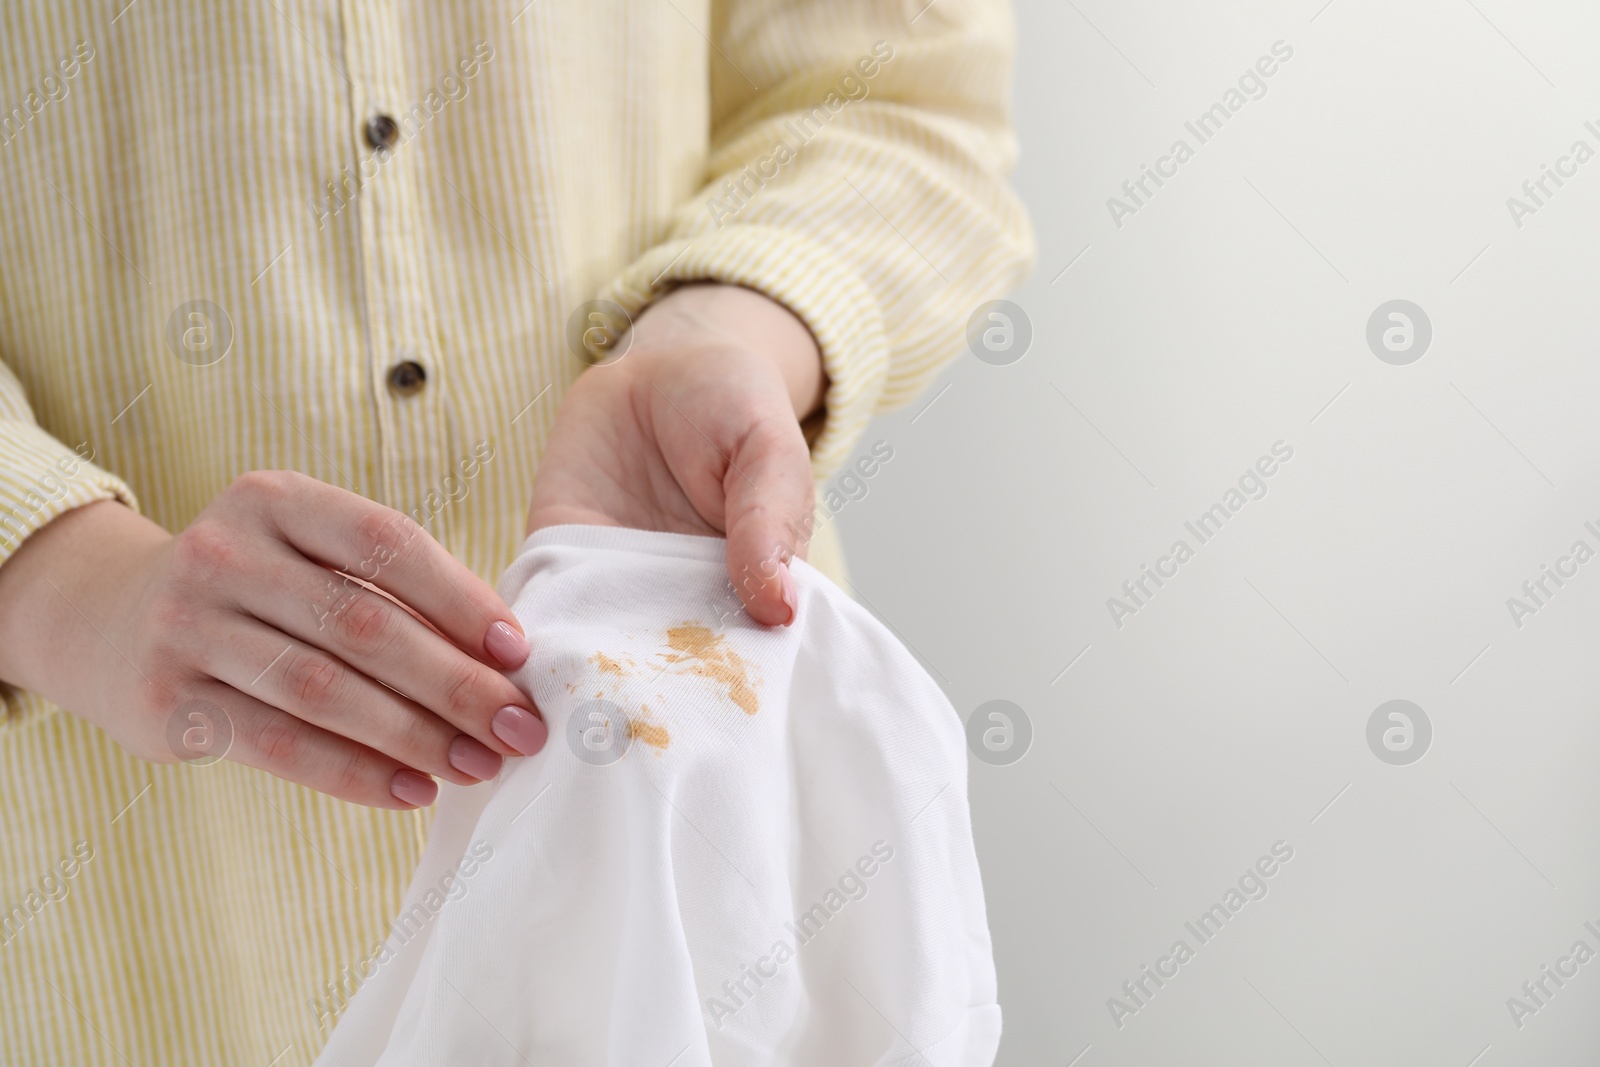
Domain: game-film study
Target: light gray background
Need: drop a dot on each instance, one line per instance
(1230, 711)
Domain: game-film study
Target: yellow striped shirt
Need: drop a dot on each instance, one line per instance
(206, 267)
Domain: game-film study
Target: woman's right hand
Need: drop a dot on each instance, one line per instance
(322, 680)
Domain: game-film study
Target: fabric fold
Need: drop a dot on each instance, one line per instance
(740, 845)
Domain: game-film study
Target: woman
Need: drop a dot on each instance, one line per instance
(301, 290)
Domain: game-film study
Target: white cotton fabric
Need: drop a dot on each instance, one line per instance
(647, 911)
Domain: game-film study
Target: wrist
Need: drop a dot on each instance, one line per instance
(748, 320)
(61, 592)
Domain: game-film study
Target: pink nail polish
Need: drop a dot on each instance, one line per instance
(790, 598)
(470, 756)
(519, 728)
(505, 644)
(414, 788)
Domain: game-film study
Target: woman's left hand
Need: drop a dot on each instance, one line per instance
(696, 429)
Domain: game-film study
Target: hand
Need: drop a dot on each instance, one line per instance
(325, 681)
(696, 429)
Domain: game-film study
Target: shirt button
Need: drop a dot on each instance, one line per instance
(408, 378)
(382, 131)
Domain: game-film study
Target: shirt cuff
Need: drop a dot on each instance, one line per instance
(815, 285)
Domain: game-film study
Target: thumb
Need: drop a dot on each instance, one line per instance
(769, 493)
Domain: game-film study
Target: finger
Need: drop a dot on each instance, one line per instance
(274, 741)
(392, 551)
(769, 493)
(313, 685)
(383, 641)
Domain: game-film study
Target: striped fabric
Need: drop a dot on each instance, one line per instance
(206, 268)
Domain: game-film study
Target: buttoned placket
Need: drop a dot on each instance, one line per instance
(406, 374)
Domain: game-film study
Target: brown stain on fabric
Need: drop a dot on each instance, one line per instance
(652, 734)
(692, 649)
(707, 654)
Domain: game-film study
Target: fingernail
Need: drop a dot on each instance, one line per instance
(414, 788)
(789, 598)
(470, 756)
(505, 644)
(519, 728)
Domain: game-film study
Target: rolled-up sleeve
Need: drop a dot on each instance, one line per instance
(42, 477)
(857, 175)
